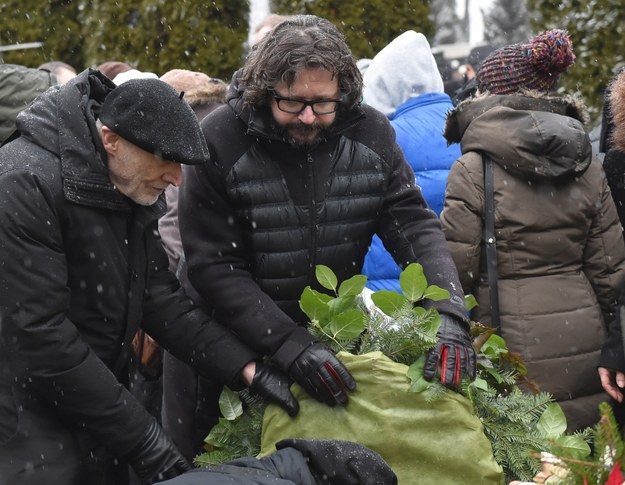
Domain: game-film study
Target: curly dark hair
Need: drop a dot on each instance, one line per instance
(297, 43)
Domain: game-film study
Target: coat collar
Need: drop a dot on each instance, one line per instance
(461, 117)
(531, 136)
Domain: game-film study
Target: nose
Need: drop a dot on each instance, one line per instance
(307, 116)
(173, 174)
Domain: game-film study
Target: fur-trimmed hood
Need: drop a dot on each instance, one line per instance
(460, 117)
(528, 134)
(617, 106)
(213, 92)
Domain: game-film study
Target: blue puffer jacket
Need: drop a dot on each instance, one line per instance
(409, 90)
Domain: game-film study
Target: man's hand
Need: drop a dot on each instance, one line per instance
(322, 375)
(453, 355)
(613, 382)
(156, 458)
(274, 386)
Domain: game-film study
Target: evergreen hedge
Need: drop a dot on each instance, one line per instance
(368, 25)
(156, 35)
(597, 30)
(151, 35)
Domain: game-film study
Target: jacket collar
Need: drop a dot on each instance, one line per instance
(461, 117)
(545, 137)
(420, 101)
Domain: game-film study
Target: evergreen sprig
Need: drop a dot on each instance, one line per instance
(510, 425)
(236, 435)
(403, 338)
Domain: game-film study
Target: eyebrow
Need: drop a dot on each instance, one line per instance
(300, 98)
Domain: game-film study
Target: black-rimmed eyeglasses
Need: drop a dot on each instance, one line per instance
(296, 106)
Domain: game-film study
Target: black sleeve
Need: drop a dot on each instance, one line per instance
(413, 234)
(284, 467)
(48, 358)
(612, 355)
(614, 167)
(186, 330)
(218, 268)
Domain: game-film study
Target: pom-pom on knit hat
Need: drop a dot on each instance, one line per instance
(536, 65)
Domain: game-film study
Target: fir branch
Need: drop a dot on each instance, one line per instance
(402, 337)
(231, 439)
(215, 457)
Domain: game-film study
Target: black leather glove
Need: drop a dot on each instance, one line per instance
(322, 375)
(274, 386)
(453, 353)
(156, 458)
(344, 462)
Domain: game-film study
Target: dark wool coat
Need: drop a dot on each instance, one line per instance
(560, 252)
(257, 220)
(81, 266)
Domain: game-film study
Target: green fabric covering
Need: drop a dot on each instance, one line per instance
(437, 442)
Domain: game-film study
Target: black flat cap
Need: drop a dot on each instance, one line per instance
(152, 115)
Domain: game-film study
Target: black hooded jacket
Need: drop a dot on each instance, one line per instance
(81, 267)
(258, 219)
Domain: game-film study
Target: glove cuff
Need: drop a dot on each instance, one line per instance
(612, 355)
(292, 348)
(453, 308)
(453, 324)
(152, 430)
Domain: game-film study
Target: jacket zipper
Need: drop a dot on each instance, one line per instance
(313, 219)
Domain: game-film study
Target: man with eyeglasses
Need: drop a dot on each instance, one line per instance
(302, 174)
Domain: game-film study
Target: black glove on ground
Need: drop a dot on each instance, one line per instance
(342, 462)
(322, 375)
(156, 458)
(453, 354)
(274, 386)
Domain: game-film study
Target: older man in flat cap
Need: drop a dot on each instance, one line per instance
(81, 268)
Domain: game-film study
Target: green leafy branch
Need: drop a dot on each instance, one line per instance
(584, 465)
(401, 329)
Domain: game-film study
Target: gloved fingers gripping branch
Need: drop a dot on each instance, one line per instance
(156, 458)
(274, 386)
(322, 375)
(453, 356)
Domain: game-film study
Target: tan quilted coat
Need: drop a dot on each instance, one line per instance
(560, 250)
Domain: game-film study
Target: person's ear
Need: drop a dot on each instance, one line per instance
(110, 140)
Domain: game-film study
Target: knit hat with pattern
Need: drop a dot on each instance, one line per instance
(536, 65)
